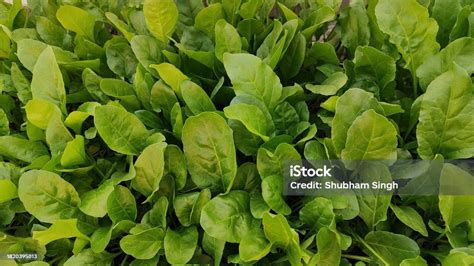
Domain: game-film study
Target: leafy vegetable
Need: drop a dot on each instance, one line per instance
(161, 132)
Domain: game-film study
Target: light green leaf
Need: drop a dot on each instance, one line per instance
(455, 208)
(410, 28)
(180, 244)
(445, 13)
(47, 196)
(317, 214)
(122, 131)
(74, 153)
(330, 86)
(417, 261)
(101, 238)
(188, 207)
(21, 149)
(370, 137)
(349, 106)
(77, 20)
(251, 117)
(89, 257)
(207, 18)
(254, 246)
(373, 204)
(149, 167)
(121, 205)
(411, 218)
(374, 65)
(58, 230)
(389, 248)
(460, 51)
(9, 190)
(214, 247)
(4, 124)
(227, 39)
(250, 75)
(171, 75)
(210, 152)
(227, 217)
(47, 83)
(355, 29)
(446, 123)
(329, 249)
(196, 98)
(94, 202)
(144, 245)
(175, 164)
(161, 17)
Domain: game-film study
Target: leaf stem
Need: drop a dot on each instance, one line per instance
(415, 84)
(356, 257)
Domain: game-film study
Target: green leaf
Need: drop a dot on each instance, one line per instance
(88, 256)
(171, 75)
(251, 117)
(250, 75)
(188, 207)
(254, 246)
(210, 152)
(389, 248)
(370, 137)
(41, 112)
(101, 238)
(280, 234)
(418, 261)
(374, 65)
(355, 29)
(47, 196)
(411, 218)
(4, 124)
(329, 250)
(58, 230)
(410, 28)
(317, 214)
(77, 20)
(161, 17)
(330, 86)
(21, 149)
(460, 51)
(47, 83)
(227, 217)
(278, 231)
(149, 168)
(196, 98)
(373, 204)
(122, 132)
(455, 208)
(445, 19)
(214, 247)
(180, 244)
(207, 18)
(74, 153)
(227, 39)
(445, 125)
(121, 205)
(143, 245)
(9, 190)
(349, 106)
(175, 164)
(272, 193)
(94, 202)
(157, 215)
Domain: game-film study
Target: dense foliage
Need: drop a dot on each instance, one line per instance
(155, 132)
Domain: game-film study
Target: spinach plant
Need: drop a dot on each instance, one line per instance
(155, 132)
